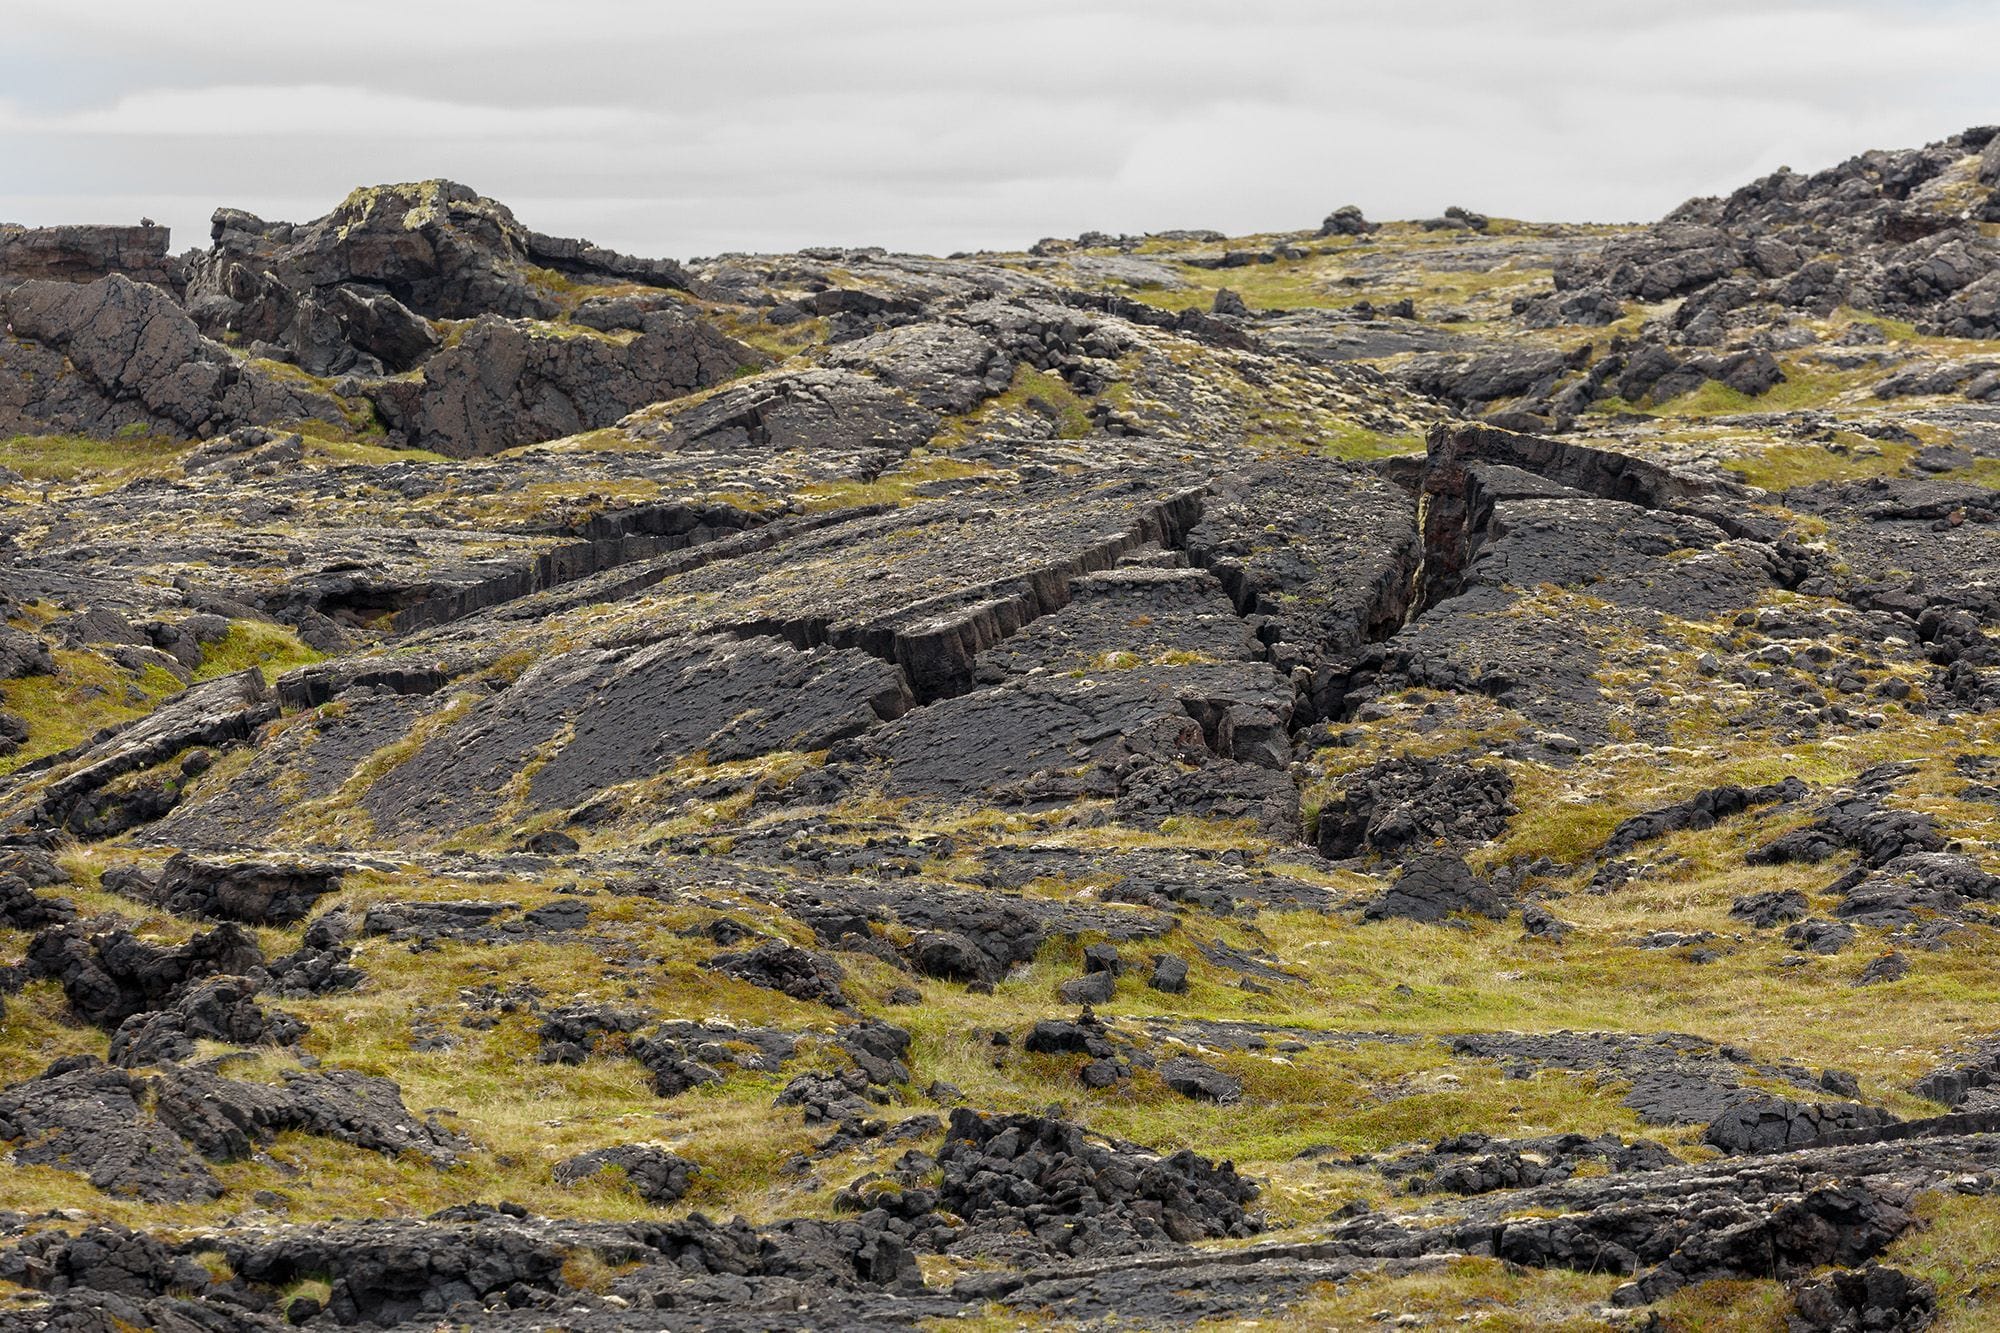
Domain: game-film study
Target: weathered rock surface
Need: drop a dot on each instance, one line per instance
(221, 1009)
(257, 893)
(505, 384)
(1403, 803)
(1433, 887)
(1351, 723)
(82, 1116)
(108, 977)
(81, 789)
(85, 254)
(118, 355)
(654, 1174)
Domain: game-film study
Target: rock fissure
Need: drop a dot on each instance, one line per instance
(935, 646)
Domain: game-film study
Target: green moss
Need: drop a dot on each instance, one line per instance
(1357, 443)
(75, 457)
(273, 649)
(36, 1030)
(1742, 1305)
(87, 693)
(1779, 467)
(1031, 391)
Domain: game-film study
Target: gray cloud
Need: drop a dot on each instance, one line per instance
(676, 128)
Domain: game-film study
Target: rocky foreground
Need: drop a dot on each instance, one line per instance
(1421, 774)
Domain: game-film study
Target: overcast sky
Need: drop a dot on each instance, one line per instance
(670, 128)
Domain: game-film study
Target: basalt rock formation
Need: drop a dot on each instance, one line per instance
(1422, 771)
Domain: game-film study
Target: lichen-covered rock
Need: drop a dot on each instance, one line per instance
(1029, 1185)
(1012, 643)
(216, 713)
(1702, 810)
(776, 965)
(436, 246)
(1477, 1164)
(620, 715)
(224, 1119)
(1876, 1297)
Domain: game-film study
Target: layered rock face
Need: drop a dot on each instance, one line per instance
(1425, 772)
(84, 254)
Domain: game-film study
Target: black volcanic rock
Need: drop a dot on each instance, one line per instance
(219, 1009)
(505, 384)
(1431, 888)
(87, 253)
(1086, 643)
(655, 1175)
(111, 976)
(113, 355)
(1403, 803)
(436, 246)
(86, 1117)
(257, 893)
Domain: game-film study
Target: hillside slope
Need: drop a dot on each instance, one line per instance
(1443, 773)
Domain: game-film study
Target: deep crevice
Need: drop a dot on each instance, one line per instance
(309, 686)
(1455, 508)
(608, 541)
(937, 654)
(1319, 694)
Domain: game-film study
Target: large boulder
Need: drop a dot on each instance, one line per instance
(655, 1175)
(23, 654)
(1432, 888)
(219, 1009)
(81, 1115)
(1347, 220)
(114, 354)
(110, 976)
(267, 892)
(507, 383)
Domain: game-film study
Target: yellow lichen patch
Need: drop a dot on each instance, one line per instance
(900, 485)
(1780, 467)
